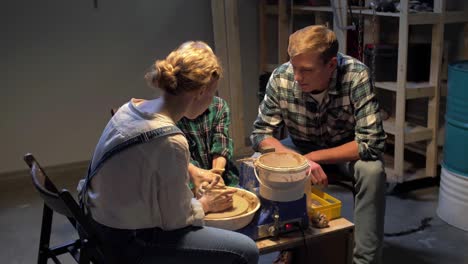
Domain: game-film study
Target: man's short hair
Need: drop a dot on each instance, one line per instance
(316, 38)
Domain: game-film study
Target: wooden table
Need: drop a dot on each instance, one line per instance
(333, 244)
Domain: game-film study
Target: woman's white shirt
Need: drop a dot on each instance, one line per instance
(145, 185)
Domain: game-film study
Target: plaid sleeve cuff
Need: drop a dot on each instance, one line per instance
(256, 138)
(366, 152)
(225, 152)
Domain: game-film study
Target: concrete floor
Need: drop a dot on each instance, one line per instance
(21, 211)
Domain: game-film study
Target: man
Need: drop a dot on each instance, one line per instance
(326, 101)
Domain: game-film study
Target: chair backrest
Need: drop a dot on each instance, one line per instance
(62, 201)
(113, 111)
(46, 188)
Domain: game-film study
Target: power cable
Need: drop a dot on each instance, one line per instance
(425, 223)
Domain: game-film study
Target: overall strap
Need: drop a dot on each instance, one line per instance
(141, 138)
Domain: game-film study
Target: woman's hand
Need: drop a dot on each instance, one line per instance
(212, 177)
(216, 200)
(317, 174)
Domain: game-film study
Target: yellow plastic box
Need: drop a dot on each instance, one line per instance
(319, 201)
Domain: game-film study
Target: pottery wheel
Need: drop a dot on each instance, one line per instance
(239, 206)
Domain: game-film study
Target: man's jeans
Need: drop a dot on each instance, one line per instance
(369, 207)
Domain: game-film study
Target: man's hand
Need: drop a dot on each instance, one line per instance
(317, 174)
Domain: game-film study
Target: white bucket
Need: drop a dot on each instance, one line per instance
(453, 199)
(281, 176)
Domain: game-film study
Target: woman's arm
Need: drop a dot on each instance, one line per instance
(177, 206)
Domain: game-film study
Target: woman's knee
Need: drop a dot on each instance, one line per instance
(240, 245)
(247, 248)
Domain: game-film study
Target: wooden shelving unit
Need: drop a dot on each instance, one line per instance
(405, 134)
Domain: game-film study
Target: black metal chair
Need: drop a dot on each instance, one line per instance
(86, 248)
(113, 111)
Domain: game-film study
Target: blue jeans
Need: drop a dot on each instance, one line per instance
(369, 207)
(186, 245)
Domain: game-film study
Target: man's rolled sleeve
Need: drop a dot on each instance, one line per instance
(369, 133)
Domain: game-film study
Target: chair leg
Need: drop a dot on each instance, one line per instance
(84, 256)
(44, 240)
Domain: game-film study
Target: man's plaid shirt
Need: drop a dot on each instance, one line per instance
(348, 112)
(208, 135)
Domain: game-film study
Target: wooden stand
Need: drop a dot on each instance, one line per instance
(333, 244)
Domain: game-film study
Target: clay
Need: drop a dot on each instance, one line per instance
(319, 220)
(239, 206)
(282, 160)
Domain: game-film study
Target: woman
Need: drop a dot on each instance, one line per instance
(137, 187)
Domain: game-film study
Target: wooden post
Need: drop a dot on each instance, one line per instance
(432, 149)
(283, 32)
(262, 36)
(227, 46)
(401, 93)
(371, 30)
(340, 19)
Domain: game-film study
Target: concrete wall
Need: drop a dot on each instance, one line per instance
(64, 64)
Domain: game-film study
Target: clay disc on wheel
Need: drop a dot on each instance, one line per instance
(240, 206)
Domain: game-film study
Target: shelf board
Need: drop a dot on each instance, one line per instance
(300, 9)
(456, 17)
(413, 133)
(448, 17)
(411, 171)
(413, 89)
(420, 148)
(419, 18)
(368, 12)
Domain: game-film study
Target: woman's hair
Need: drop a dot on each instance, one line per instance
(192, 66)
(314, 38)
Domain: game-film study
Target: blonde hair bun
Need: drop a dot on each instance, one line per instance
(192, 66)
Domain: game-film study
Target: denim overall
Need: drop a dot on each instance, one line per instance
(140, 139)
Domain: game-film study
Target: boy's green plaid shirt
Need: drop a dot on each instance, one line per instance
(208, 135)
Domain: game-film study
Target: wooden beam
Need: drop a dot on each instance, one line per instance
(401, 92)
(371, 30)
(340, 19)
(262, 30)
(283, 31)
(227, 46)
(432, 150)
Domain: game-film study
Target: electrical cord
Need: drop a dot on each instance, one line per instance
(425, 222)
(304, 240)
